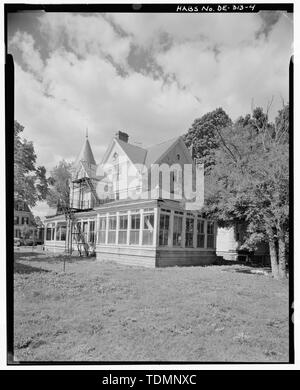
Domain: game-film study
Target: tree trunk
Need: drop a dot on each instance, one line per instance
(281, 258)
(274, 258)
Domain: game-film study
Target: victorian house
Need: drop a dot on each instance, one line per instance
(118, 212)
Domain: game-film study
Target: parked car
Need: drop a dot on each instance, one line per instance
(17, 241)
(29, 242)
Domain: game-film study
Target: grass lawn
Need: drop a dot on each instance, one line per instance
(102, 311)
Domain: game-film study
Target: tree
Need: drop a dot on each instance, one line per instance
(59, 191)
(250, 181)
(30, 183)
(205, 136)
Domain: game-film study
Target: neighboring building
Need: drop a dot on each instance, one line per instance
(229, 242)
(24, 225)
(149, 231)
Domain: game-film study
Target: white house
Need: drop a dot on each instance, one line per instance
(120, 208)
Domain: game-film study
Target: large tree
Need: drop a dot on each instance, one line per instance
(250, 181)
(204, 136)
(59, 191)
(30, 183)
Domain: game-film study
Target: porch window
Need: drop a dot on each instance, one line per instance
(135, 229)
(200, 234)
(189, 232)
(102, 230)
(148, 229)
(50, 232)
(112, 227)
(123, 224)
(16, 220)
(210, 235)
(61, 232)
(85, 230)
(177, 231)
(92, 232)
(164, 222)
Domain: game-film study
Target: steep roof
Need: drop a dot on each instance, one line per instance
(86, 154)
(135, 153)
(139, 155)
(156, 151)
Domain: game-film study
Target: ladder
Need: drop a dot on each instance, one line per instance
(91, 186)
(80, 241)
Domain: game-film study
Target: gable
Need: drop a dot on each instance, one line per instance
(176, 153)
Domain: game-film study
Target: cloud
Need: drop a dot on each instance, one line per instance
(31, 57)
(85, 35)
(148, 75)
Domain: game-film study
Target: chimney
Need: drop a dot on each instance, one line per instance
(122, 136)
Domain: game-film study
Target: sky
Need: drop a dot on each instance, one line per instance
(150, 75)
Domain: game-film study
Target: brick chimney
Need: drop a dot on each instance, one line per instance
(122, 136)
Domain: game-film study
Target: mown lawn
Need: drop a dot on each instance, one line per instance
(97, 311)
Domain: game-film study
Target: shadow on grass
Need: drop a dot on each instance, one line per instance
(20, 268)
(55, 259)
(242, 263)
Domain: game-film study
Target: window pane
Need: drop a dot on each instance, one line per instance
(123, 222)
(210, 228)
(135, 221)
(177, 231)
(134, 237)
(63, 233)
(189, 232)
(102, 223)
(112, 223)
(200, 240)
(101, 237)
(149, 221)
(147, 237)
(210, 241)
(48, 234)
(112, 237)
(122, 236)
(164, 229)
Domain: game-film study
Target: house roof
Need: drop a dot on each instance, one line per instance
(135, 153)
(156, 151)
(86, 154)
(139, 155)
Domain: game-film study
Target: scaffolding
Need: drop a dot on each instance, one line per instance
(74, 233)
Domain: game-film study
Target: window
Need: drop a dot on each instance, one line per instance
(123, 224)
(148, 229)
(135, 229)
(92, 232)
(164, 221)
(16, 220)
(210, 235)
(112, 227)
(63, 232)
(50, 232)
(102, 230)
(189, 232)
(177, 231)
(25, 220)
(200, 234)
(61, 229)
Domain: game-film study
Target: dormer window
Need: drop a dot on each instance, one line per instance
(115, 156)
(178, 156)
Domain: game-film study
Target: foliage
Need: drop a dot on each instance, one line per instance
(59, 191)
(250, 179)
(204, 135)
(30, 183)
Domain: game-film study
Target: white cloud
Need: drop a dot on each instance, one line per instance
(30, 55)
(76, 85)
(85, 35)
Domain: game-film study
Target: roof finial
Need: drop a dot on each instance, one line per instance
(86, 133)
